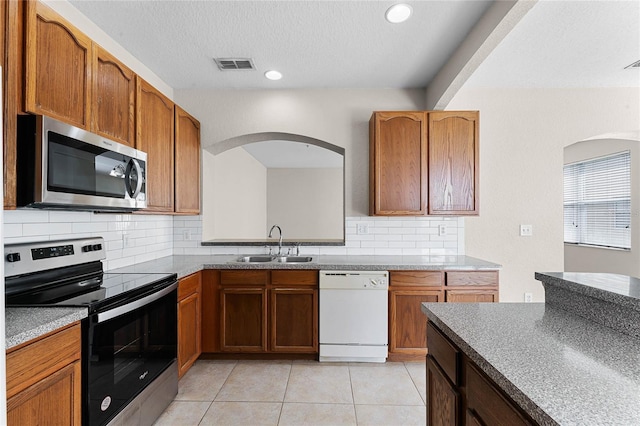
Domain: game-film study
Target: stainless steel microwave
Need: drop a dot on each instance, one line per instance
(65, 167)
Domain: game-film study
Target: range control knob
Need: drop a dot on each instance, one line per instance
(86, 249)
(13, 257)
(97, 247)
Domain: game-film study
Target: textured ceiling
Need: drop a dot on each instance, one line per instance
(315, 44)
(348, 44)
(571, 44)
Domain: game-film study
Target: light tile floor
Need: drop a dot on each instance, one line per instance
(299, 393)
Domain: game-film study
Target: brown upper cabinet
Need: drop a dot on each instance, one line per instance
(113, 98)
(453, 162)
(58, 67)
(398, 163)
(155, 136)
(423, 162)
(187, 157)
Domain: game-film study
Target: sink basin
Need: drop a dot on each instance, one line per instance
(294, 259)
(255, 259)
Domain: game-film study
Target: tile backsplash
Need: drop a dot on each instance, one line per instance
(386, 236)
(129, 238)
(133, 238)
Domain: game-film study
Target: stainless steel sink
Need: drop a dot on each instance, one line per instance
(270, 258)
(294, 259)
(255, 259)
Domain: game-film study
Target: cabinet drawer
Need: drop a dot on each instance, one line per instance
(244, 277)
(34, 362)
(487, 278)
(294, 277)
(487, 403)
(471, 296)
(443, 351)
(189, 285)
(416, 278)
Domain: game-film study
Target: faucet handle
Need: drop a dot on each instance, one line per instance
(297, 246)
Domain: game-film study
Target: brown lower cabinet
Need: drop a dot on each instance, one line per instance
(409, 289)
(265, 311)
(43, 380)
(458, 393)
(189, 320)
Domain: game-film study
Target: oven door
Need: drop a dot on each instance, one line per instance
(127, 348)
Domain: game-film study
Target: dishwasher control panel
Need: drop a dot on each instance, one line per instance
(365, 280)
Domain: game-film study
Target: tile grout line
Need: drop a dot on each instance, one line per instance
(284, 396)
(217, 393)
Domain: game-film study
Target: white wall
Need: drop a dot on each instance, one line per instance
(596, 259)
(305, 199)
(522, 136)
(338, 116)
(236, 203)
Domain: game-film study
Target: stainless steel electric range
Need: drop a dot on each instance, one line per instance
(129, 339)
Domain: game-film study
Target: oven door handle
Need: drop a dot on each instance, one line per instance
(121, 310)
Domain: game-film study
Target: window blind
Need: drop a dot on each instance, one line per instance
(597, 201)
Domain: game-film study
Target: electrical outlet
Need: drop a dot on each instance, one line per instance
(526, 230)
(186, 234)
(362, 228)
(442, 230)
(126, 241)
(528, 297)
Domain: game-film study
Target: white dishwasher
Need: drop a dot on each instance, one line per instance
(354, 316)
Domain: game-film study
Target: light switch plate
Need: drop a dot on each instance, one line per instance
(362, 228)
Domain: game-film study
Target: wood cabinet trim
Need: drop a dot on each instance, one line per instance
(189, 285)
(187, 169)
(72, 415)
(436, 185)
(101, 55)
(443, 399)
(37, 11)
(472, 278)
(288, 278)
(416, 278)
(273, 329)
(376, 165)
(27, 364)
(444, 353)
(244, 277)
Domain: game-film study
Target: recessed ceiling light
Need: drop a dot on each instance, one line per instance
(398, 13)
(273, 75)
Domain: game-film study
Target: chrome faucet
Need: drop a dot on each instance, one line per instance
(279, 240)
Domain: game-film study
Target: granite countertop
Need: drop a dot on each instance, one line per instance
(559, 367)
(188, 264)
(24, 324)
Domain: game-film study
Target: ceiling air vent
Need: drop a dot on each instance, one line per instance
(229, 64)
(636, 64)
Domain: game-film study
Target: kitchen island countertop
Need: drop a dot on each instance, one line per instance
(558, 367)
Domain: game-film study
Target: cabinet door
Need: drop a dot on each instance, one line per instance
(210, 305)
(12, 95)
(442, 397)
(453, 162)
(189, 314)
(407, 323)
(113, 98)
(294, 320)
(54, 400)
(187, 157)
(154, 136)
(471, 296)
(486, 403)
(58, 70)
(398, 163)
(243, 319)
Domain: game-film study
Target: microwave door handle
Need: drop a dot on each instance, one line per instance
(133, 164)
